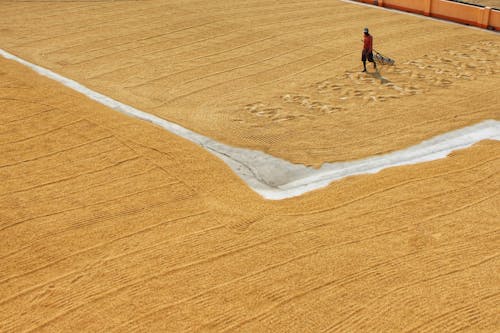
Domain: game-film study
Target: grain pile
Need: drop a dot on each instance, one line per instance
(109, 224)
(249, 73)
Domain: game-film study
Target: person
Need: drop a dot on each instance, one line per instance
(367, 53)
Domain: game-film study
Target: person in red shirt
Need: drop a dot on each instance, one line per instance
(367, 53)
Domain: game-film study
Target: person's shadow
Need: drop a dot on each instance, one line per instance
(378, 75)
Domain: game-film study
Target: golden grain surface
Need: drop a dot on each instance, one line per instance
(250, 73)
(110, 224)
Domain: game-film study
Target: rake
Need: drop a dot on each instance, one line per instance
(381, 59)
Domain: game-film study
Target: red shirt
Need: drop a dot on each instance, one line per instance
(368, 42)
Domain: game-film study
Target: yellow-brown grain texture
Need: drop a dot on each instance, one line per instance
(110, 224)
(250, 73)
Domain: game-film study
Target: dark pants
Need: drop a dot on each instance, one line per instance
(367, 55)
